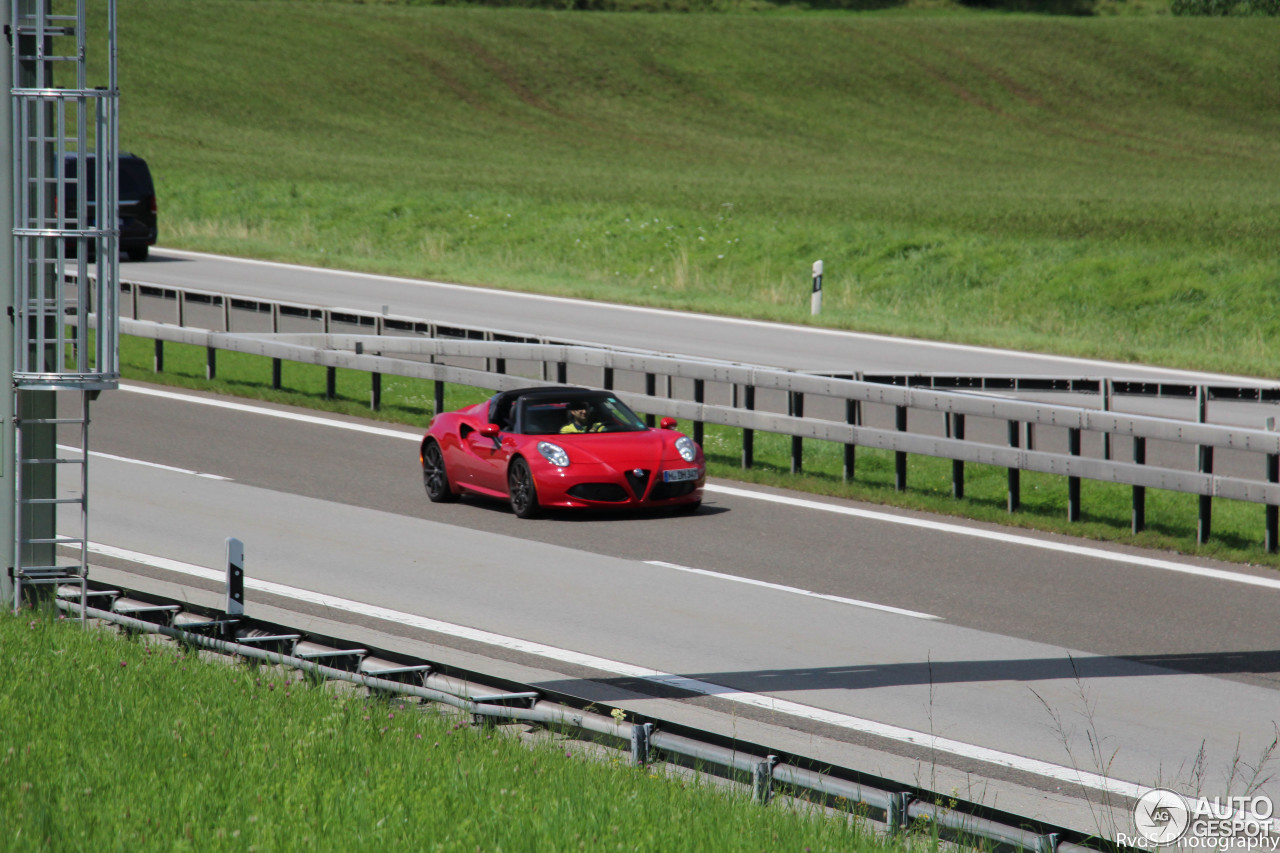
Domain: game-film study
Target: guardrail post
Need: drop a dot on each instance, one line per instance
(499, 365)
(1273, 511)
(1073, 483)
(180, 306)
(562, 372)
(1015, 474)
(699, 395)
(852, 416)
(1139, 492)
(762, 780)
(1204, 518)
(277, 373)
(650, 389)
(211, 363)
(748, 435)
(330, 382)
(641, 735)
(797, 443)
(900, 456)
(895, 816)
(607, 382)
(437, 400)
(375, 391)
(957, 465)
(157, 363)
(1106, 407)
(226, 313)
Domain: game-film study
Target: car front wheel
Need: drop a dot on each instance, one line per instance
(520, 488)
(434, 476)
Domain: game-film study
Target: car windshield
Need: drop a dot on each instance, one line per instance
(587, 414)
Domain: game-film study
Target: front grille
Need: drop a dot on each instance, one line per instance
(639, 480)
(608, 492)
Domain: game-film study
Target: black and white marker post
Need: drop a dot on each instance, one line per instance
(235, 577)
(816, 303)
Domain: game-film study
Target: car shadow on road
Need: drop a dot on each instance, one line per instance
(1265, 664)
(600, 515)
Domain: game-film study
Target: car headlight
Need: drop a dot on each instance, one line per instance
(686, 448)
(554, 454)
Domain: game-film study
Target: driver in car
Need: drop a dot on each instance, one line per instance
(579, 418)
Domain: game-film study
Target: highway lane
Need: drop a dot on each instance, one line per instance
(1051, 596)
(799, 347)
(341, 511)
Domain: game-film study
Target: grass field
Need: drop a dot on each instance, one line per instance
(115, 744)
(1102, 186)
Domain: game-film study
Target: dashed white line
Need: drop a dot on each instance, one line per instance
(100, 455)
(870, 605)
(1045, 769)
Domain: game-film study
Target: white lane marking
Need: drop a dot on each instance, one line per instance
(756, 700)
(114, 458)
(274, 413)
(915, 614)
(737, 321)
(799, 503)
(999, 536)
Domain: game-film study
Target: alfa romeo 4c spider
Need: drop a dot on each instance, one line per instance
(561, 447)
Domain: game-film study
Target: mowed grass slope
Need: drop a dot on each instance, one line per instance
(1103, 187)
(128, 745)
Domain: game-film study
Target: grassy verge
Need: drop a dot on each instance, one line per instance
(1171, 517)
(1100, 187)
(116, 744)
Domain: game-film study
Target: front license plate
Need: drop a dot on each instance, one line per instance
(679, 475)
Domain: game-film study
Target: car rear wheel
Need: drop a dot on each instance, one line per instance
(434, 476)
(521, 490)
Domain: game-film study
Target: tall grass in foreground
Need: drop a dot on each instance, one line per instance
(1238, 527)
(115, 744)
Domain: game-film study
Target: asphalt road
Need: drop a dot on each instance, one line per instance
(1039, 650)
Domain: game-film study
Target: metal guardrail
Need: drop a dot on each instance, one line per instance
(768, 772)
(408, 347)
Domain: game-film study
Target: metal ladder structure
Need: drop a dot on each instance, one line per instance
(66, 275)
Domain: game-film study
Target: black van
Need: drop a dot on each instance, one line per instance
(137, 200)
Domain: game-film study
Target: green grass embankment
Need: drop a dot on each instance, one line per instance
(115, 744)
(1099, 187)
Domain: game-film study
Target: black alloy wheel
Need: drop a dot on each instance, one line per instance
(520, 488)
(433, 475)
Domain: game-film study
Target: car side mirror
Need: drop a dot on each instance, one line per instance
(490, 430)
(667, 423)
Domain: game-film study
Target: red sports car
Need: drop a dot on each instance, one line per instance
(560, 447)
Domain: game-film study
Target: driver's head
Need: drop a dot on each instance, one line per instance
(579, 409)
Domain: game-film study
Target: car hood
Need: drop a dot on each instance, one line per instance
(618, 450)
